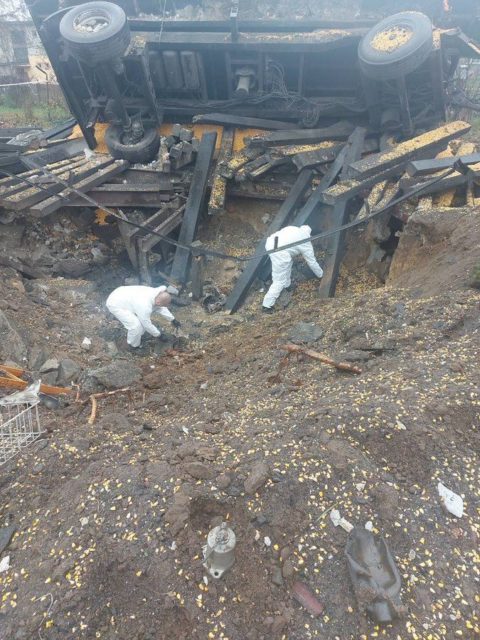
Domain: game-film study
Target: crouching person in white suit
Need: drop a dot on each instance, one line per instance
(282, 261)
(134, 305)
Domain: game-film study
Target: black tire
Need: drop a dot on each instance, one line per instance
(141, 152)
(94, 47)
(380, 64)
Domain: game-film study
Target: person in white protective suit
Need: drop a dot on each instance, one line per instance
(282, 261)
(133, 306)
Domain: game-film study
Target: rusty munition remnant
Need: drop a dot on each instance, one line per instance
(219, 552)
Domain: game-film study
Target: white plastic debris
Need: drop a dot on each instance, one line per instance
(412, 554)
(401, 426)
(173, 546)
(360, 486)
(83, 522)
(369, 525)
(337, 520)
(86, 344)
(257, 535)
(452, 502)
(29, 395)
(5, 564)
(267, 541)
(185, 431)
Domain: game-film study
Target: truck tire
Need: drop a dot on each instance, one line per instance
(96, 32)
(396, 46)
(143, 151)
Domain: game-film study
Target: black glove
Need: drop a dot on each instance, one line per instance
(176, 324)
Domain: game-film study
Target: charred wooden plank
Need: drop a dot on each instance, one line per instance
(194, 204)
(339, 131)
(232, 120)
(336, 216)
(408, 150)
(219, 185)
(425, 167)
(46, 207)
(450, 182)
(106, 199)
(259, 190)
(310, 159)
(347, 189)
(284, 214)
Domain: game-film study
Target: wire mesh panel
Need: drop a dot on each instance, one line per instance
(19, 427)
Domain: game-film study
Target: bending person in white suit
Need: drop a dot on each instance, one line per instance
(134, 305)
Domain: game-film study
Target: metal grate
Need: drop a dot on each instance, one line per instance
(19, 427)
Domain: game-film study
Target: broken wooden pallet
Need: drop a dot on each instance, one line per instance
(50, 205)
(21, 200)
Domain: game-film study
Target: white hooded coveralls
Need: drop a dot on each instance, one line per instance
(133, 306)
(282, 261)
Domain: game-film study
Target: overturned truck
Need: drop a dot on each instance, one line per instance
(121, 64)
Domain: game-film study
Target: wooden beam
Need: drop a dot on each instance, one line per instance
(425, 167)
(194, 205)
(450, 182)
(232, 120)
(153, 200)
(284, 214)
(336, 217)
(348, 189)
(408, 150)
(218, 193)
(339, 131)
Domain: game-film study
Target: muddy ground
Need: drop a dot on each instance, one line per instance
(111, 518)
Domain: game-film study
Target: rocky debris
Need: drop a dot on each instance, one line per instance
(199, 471)
(12, 346)
(178, 514)
(305, 596)
(386, 501)
(223, 481)
(6, 535)
(115, 375)
(305, 333)
(73, 267)
(258, 476)
(68, 371)
(49, 371)
(116, 422)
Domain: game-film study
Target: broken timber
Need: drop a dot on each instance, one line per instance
(449, 182)
(231, 120)
(219, 186)
(339, 131)
(194, 204)
(425, 167)
(284, 214)
(408, 150)
(336, 217)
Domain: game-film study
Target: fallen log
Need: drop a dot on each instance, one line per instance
(342, 366)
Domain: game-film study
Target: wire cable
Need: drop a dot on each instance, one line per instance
(198, 251)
